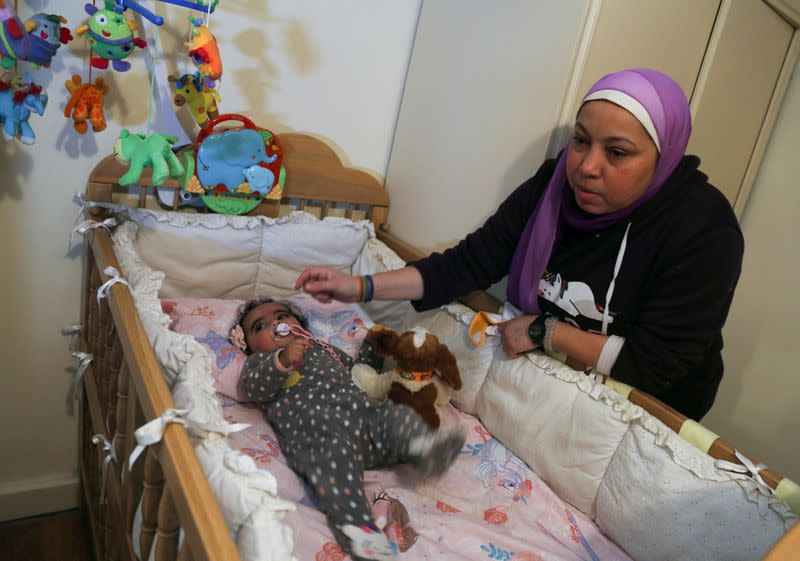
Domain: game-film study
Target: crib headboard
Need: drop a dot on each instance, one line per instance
(316, 181)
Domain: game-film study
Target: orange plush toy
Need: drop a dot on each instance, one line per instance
(204, 52)
(86, 102)
(425, 371)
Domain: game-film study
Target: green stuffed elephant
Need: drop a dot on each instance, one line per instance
(153, 151)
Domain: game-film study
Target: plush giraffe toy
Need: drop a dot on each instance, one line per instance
(86, 103)
(201, 100)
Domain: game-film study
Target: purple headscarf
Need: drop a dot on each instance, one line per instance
(665, 103)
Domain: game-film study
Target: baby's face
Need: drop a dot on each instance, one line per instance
(259, 327)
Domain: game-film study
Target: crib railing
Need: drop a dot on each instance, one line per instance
(123, 389)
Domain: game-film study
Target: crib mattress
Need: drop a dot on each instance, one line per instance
(489, 505)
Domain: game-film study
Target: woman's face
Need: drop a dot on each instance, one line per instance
(259, 327)
(610, 158)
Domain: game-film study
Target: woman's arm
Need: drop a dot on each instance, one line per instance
(582, 346)
(477, 262)
(326, 284)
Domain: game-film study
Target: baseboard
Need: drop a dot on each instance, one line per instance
(31, 497)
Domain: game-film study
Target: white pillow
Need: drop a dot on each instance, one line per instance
(653, 506)
(564, 434)
(289, 246)
(218, 256)
(449, 324)
(199, 261)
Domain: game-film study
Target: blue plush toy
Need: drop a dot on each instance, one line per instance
(18, 98)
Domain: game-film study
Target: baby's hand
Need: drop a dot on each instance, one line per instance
(293, 354)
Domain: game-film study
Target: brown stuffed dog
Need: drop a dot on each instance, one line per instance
(425, 370)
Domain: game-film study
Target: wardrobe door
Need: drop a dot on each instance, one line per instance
(735, 89)
(669, 36)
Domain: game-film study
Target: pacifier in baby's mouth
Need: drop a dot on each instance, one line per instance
(282, 330)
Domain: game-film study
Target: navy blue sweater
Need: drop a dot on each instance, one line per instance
(672, 293)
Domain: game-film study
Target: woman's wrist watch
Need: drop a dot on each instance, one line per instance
(541, 332)
(537, 330)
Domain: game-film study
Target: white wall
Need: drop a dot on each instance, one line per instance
(333, 69)
(757, 405)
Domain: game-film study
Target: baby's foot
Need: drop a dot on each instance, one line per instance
(369, 543)
(434, 452)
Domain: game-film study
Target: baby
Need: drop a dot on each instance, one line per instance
(328, 429)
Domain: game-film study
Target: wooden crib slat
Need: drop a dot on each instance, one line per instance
(185, 552)
(197, 508)
(348, 213)
(103, 326)
(143, 196)
(326, 208)
(120, 424)
(134, 478)
(89, 270)
(109, 535)
(167, 543)
(111, 367)
(151, 496)
(93, 329)
(90, 477)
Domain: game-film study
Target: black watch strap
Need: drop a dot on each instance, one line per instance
(537, 330)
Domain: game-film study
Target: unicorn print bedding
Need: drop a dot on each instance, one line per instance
(489, 505)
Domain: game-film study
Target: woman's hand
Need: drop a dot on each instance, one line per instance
(293, 354)
(327, 284)
(514, 336)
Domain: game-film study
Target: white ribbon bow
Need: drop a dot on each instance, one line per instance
(84, 360)
(90, 224)
(111, 454)
(84, 203)
(104, 289)
(153, 432)
(748, 467)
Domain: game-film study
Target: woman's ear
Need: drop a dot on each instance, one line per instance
(383, 339)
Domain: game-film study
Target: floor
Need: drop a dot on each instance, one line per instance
(60, 536)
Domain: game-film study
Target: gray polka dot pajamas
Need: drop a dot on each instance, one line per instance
(329, 430)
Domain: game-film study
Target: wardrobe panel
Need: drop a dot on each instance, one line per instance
(736, 84)
(670, 36)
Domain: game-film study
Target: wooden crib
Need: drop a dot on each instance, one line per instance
(124, 387)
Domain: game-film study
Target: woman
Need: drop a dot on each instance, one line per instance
(620, 253)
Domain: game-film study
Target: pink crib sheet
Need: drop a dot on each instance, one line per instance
(489, 505)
